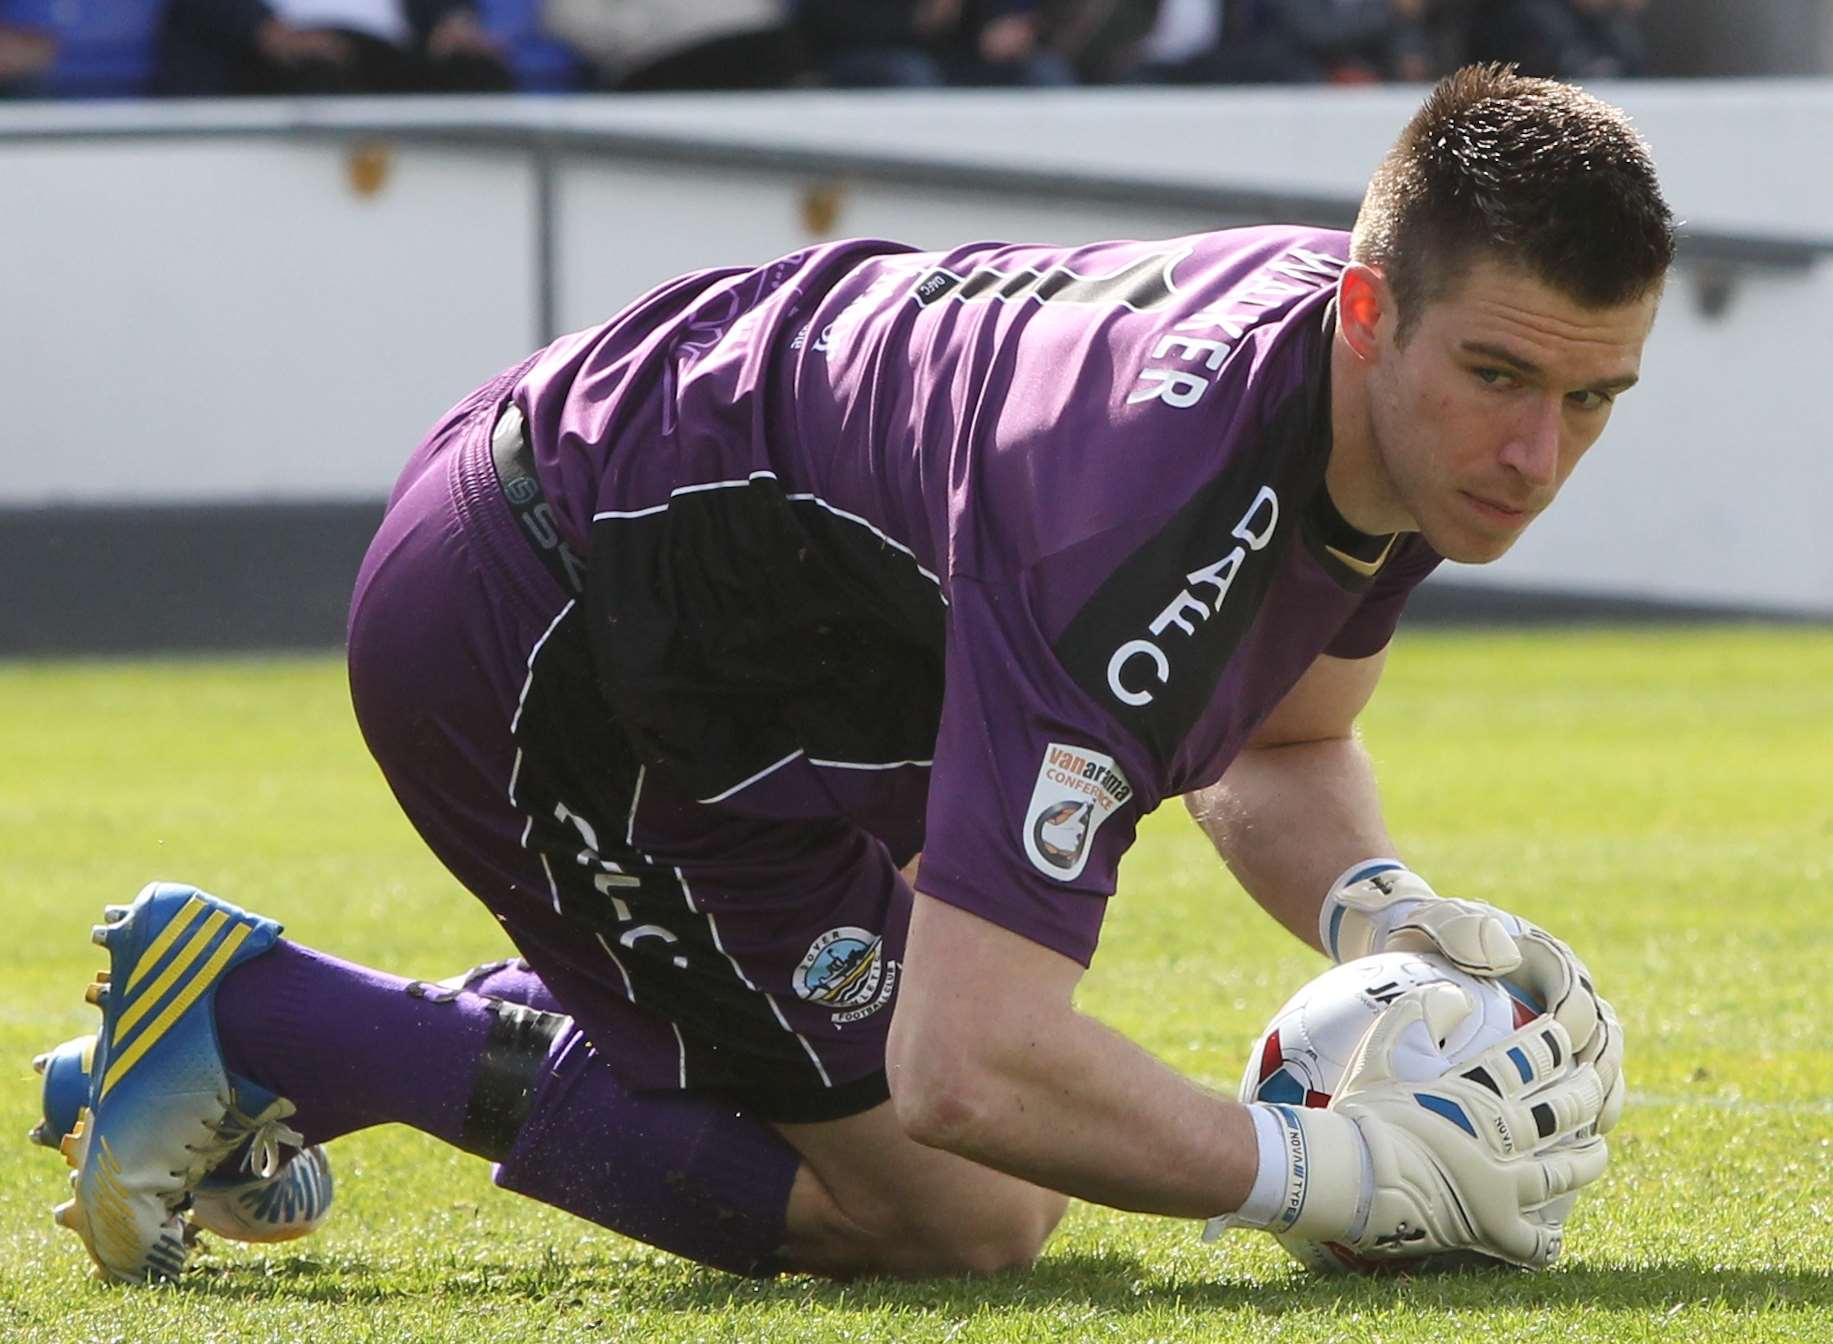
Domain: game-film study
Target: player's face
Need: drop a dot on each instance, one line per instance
(1503, 384)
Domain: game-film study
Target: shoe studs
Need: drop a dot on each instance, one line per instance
(40, 1063)
(64, 1215)
(112, 916)
(38, 1135)
(97, 993)
(72, 1141)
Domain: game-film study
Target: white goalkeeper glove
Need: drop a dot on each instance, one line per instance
(1382, 906)
(1482, 1159)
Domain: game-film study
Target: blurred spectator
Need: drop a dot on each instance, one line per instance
(27, 48)
(1183, 44)
(1205, 42)
(1343, 41)
(1282, 41)
(638, 45)
(1561, 39)
(928, 43)
(214, 47)
(1078, 31)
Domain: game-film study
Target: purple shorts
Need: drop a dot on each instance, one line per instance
(696, 945)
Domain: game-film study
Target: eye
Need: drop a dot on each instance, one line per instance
(1495, 377)
(1590, 400)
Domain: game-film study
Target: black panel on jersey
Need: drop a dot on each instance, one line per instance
(739, 625)
(1288, 455)
(577, 782)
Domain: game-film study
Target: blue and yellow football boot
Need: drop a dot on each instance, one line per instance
(293, 1202)
(162, 1111)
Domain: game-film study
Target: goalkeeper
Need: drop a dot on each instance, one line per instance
(787, 663)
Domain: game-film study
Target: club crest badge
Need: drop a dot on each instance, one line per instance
(843, 969)
(1076, 790)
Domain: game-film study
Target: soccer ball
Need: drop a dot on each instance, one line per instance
(1301, 1059)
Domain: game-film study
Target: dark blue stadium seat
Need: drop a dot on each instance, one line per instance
(540, 64)
(105, 48)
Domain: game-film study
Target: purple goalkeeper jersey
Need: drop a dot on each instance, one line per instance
(989, 551)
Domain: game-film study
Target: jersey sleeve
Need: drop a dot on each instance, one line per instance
(1033, 796)
(1371, 625)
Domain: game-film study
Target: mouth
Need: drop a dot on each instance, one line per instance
(1497, 512)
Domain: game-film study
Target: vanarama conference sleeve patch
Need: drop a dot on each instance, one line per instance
(1077, 789)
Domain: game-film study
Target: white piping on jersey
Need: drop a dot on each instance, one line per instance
(684, 490)
(630, 826)
(745, 980)
(529, 680)
(641, 513)
(869, 765)
(713, 929)
(892, 542)
(629, 989)
(737, 970)
(834, 509)
(762, 474)
(682, 1044)
(807, 1048)
(515, 770)
(993, 295)
(687, 894)
(553, 887)
(746, 783)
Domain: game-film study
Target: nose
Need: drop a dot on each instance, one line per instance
(1532, 451)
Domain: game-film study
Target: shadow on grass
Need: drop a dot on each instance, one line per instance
(1107, 1282)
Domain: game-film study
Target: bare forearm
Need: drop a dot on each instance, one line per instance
(989, 1058)
(1289, 819)
(1083, 1110)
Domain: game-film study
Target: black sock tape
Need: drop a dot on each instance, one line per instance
(504, 1087)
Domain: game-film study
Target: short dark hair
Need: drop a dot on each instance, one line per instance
(1528, 172)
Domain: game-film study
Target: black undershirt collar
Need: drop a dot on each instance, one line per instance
(1328, 523)
(1340, 534)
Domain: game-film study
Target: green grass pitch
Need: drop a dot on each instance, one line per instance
(1663, 799)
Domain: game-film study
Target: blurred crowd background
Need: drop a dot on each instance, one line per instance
(207, 48)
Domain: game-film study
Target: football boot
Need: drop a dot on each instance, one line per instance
(292, 1202)
(162, 1111)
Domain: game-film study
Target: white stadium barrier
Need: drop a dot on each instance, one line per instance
(265, 303)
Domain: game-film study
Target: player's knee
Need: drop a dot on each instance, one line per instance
(1011, 1242)
(990, 1237)
(820, 1237)
(917, 1240)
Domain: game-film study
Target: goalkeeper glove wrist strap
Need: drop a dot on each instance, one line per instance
(1315, 1174)
(1271, 1178)
(1330, 913)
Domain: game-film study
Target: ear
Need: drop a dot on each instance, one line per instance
(1363, 300)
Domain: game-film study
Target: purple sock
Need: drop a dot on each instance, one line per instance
(512, 980)
(353, 1047)
(677, 1170)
